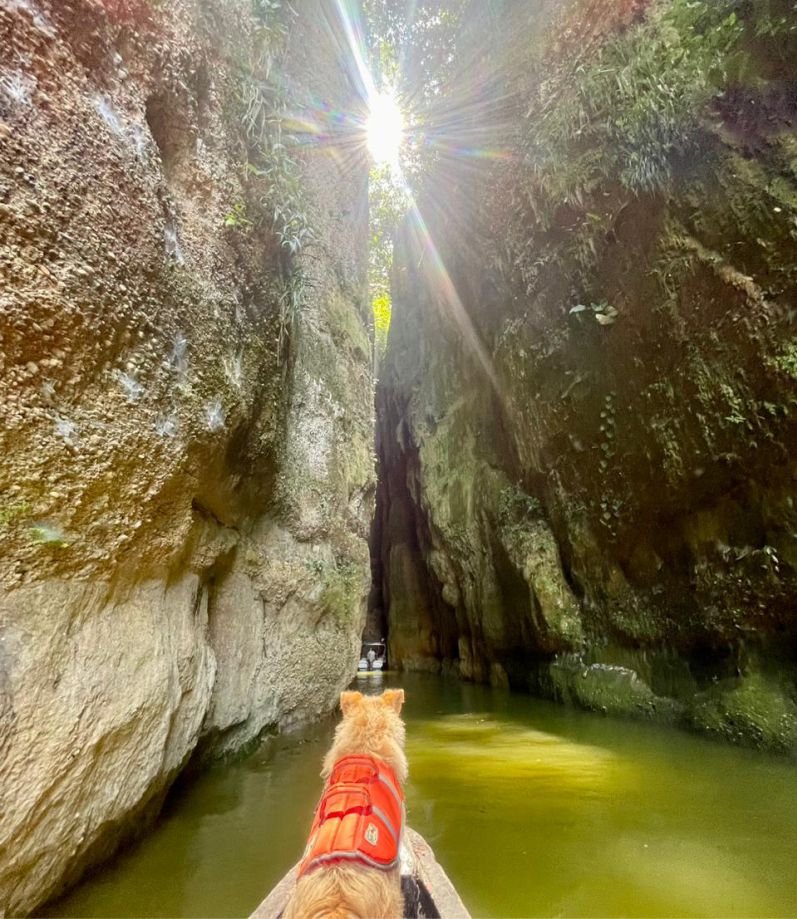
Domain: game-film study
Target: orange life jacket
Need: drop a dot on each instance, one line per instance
(359, 818)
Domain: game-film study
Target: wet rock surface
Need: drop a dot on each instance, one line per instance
(186, 484)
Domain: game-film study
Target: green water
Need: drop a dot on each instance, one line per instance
(532, 809)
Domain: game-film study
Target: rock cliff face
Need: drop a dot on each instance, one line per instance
(587, 410)
(186, 477)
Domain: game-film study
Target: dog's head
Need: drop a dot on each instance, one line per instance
(391, 700)
(371, 725)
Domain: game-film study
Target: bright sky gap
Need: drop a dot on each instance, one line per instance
(385, 128)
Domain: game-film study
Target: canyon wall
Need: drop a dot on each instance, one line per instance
(587, 408)
(187, 475)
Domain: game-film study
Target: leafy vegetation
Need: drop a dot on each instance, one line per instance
(786, 361)
(382, 308)
(236, 218)
(265, 100)
(776, 23)
(388, 204)
(516, 508)
(625, 113)
(412, 46)
(411, 50)
(628, 113)
(10, 512)
(342, 586)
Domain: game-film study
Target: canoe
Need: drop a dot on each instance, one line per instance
(428, 893)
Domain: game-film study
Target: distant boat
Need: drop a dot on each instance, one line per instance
(373, 657)
(428, 891)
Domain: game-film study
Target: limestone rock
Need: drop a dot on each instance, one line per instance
(104, 700)
(186, 479)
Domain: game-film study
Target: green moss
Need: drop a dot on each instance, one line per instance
(347, 327)
(608, 688)
(516, 508)
(12, 511)
(43, 534)
(631, 618)
(344, 588)
(755, 711)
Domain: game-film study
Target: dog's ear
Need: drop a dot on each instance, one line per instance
(349, 700)
(393, 698)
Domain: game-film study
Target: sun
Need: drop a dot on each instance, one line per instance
(385, 128)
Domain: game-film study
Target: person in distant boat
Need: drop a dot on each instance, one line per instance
(371, 658)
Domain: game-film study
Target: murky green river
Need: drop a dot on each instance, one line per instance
(533, 810)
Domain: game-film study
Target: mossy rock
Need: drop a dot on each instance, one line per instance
(754, 711)
(608, 688)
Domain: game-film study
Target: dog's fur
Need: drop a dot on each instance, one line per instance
(371, 726)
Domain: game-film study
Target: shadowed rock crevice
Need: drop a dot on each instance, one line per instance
(170, 128)
(419, 627)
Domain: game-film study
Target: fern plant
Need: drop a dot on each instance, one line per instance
(284, 203)
(626, 114)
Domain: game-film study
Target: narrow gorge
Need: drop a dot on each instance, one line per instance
(566, 469)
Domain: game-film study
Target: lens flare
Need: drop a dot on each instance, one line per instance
(385, 128)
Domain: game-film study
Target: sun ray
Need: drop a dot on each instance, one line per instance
(448, 297)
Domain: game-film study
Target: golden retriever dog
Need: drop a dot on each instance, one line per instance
(350, 869)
